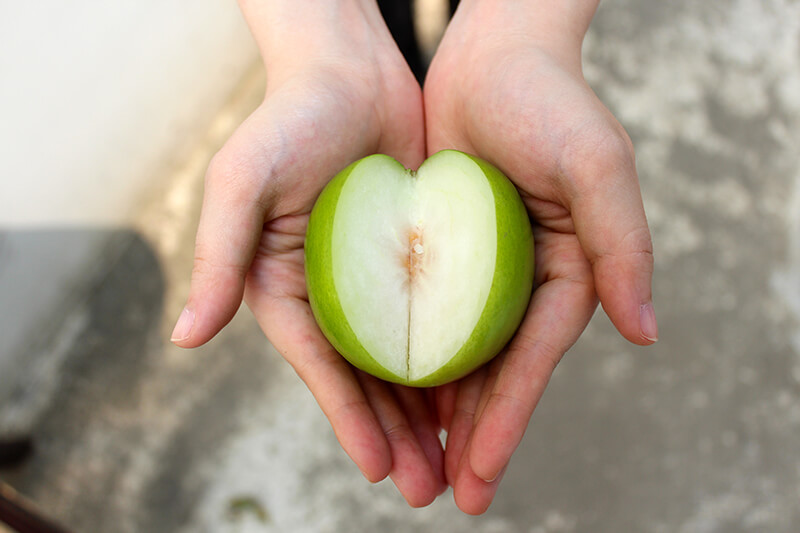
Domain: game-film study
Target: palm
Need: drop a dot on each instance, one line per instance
(520, 108)
(330, 121)
(353, 401)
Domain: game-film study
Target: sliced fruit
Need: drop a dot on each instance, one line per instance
(419, 277)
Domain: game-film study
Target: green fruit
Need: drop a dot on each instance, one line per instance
(419, 277)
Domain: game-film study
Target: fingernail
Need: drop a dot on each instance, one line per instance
(647, 322)
(184, 326)
(363, 473)
(496, 476)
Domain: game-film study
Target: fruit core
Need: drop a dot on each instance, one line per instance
(416, 252)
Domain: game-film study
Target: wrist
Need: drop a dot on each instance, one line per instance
(558, 27)
(288, 32)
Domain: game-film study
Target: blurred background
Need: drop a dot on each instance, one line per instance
(110, 114)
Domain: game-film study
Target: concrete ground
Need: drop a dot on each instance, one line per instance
(699, 433)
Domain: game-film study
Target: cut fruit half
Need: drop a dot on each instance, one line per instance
(419, 277)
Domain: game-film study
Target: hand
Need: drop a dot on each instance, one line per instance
(506, 85)
(338, 90)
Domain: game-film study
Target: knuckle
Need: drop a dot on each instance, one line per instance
(612, 145)
(636, 244)
(222, 167)
(227, 171)
(531, 352)
(398, 432)
(466, 413)
(237, 176)
(204, 267)
(617, 144)
(506, 398)
(201, 267)
(600, 154)
(638, 241)
(345, 410)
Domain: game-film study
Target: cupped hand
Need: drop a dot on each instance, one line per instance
(336, 92)
(509, 89)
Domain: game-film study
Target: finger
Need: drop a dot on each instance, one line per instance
(411, 472)
(407, 141)
(558, 313)
(230, 226)
(469, 392)
(433, 409)
(493, 370)
(290, 327)
(472, 494)
(610, 223)
(415, 405)
(445, 403)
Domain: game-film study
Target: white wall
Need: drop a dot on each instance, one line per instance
(97, 101)
(95, 96)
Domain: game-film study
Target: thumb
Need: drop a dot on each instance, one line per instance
(612, 228)
(230, 227)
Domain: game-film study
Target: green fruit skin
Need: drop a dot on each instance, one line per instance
(504, 309)
(322, 294)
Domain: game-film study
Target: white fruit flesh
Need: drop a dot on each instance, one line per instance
(417, 251)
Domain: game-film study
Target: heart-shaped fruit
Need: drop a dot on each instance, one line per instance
(419, 277)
